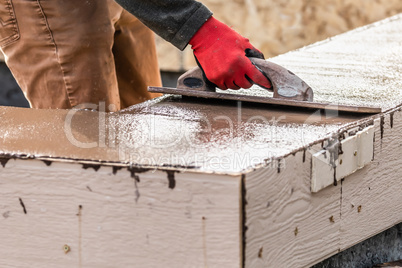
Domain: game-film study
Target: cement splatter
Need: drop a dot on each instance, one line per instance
(382, 122)
(47, 163)
(115, 169)
(23, 205)
(94, 167)
(136, 181)
(4, 161)
(79, 215)
(171, 179)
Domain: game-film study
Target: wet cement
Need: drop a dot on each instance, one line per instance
(228, 137)
(361, 68)
(219, 136)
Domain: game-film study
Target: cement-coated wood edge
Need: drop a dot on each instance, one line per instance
(267, 162)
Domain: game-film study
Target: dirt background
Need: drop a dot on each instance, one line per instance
(278, 26)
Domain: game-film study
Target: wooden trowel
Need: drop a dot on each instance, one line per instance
(288, 89)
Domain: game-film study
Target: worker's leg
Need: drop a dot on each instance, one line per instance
(63, 56)
(136, 60)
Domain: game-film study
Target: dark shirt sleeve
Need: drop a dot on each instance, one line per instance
(174, 20)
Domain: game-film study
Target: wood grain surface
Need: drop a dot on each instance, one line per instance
(288, 226)
(112, 220)
(372, 197)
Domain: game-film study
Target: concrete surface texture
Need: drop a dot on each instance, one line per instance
(360, 67)
(384, 247)
(276, 27)
(212, 137)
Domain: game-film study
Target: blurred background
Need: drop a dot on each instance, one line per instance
(273, 26)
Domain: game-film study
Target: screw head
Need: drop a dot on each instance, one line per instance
(66, 248)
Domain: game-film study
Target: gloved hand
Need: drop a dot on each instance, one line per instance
(222, 55)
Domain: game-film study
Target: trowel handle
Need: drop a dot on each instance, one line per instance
(285, 83)
(194, 80)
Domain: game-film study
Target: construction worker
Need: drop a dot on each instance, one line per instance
(67, 53)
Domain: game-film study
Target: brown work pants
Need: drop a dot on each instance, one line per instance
(64, 53)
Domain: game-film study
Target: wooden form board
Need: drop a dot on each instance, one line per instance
(372, 197)
(288, 226)
(245, 169)
(285, 224)
(149, 219)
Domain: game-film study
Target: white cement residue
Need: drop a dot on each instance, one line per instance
(360, 68)
(171, 136)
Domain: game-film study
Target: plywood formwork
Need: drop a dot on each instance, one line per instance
(179, 182)
(111, 218)
(284, 218)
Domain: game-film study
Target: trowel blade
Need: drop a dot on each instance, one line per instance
(266, 100)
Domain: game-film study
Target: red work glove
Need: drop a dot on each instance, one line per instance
(222, 55)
